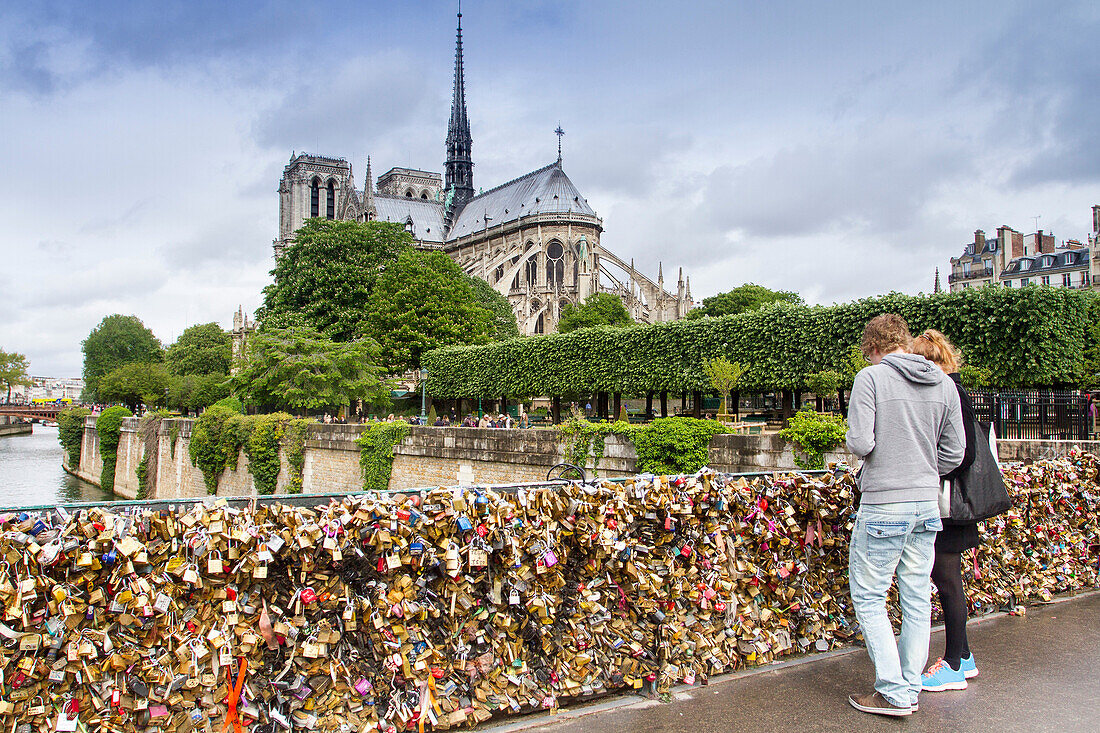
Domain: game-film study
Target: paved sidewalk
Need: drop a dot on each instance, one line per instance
(1039, 672)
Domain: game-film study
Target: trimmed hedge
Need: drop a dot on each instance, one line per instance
(1033, 336)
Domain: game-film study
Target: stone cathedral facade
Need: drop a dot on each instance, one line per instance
(535, 239)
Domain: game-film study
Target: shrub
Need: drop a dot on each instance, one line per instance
(109, 429)
(813, 433)
(70, 432)
(673, 445)
(206, 449)
(376, 445)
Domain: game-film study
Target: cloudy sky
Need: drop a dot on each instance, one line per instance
(836, 149)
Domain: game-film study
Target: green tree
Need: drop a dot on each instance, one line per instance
(743, 298)
(116, 341)
(504, 318)
(421, 302)
(824, 384)
(134, 385)
(13, 370)
(324, 280)
(598, 309)
(724, 376)
(298, 369)
(201, 349)
(192, 392)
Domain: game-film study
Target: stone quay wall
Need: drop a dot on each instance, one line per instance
(451, 456)
(14, 426)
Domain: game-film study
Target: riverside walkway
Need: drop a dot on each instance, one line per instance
(1039, 672)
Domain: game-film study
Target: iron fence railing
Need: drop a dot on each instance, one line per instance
(1032, 414)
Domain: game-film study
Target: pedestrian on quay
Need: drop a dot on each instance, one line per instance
(957, 665)
(904, 421)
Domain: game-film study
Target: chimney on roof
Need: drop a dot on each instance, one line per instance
(1044, 243)
(979, 240)
(1096, 221)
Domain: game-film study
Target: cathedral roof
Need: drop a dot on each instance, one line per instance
(545, 191)
(427, 216)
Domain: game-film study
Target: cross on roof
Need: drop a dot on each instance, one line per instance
(559, 132)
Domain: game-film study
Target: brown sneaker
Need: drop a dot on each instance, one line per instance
(877, 704)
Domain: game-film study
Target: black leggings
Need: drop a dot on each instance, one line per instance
(947, 575)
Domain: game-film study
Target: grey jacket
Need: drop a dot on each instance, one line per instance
(905, 423)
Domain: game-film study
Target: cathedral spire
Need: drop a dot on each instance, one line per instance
(459, 166)
(936, 285)
(368, 193)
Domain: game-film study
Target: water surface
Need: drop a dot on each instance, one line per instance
(31, 473)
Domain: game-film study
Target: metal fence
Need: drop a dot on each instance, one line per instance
(1035, 414)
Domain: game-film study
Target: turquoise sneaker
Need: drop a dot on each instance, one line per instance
(968, 668)
(940, 677)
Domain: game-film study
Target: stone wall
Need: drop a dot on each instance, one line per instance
(14, 426)
(737, 453)
(431, 456)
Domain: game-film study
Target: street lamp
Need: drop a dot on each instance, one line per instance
(423, 396)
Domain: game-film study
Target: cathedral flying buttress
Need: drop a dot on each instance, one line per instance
(535, 239)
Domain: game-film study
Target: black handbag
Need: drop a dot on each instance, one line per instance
(980, 492)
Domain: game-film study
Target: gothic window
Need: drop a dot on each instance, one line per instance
(555, 264)
(409, 193)
(424, 195)
(515, 282)
(498, 274)
(330, 211)
(539, 328)
(531, 271)
(315, 198)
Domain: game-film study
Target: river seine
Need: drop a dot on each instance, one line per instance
(31, 473)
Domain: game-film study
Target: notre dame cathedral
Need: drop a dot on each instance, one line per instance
(535, 238)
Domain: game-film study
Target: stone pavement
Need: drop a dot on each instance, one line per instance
(1039, 672)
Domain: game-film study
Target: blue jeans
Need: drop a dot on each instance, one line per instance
(891, 539)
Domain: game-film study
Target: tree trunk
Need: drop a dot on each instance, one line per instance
(736, 404)
(664, 403)
(787, 412)
(649, 405)
(840, 403)
(555, 407)
(697, 405)
(618, 404)
(820, 404)
(797, 400)
(504, 405)
(683, 403)
(604, 399)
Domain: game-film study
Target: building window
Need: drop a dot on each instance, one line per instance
(531, 271)
(1046, 279)
(1084, 278)
(424, 195)
(1023, 281)
(555, 264)
(1067, 280)
(966, 268)
(330, 209)
(315, 198)
(409, 193)
(1008, 283)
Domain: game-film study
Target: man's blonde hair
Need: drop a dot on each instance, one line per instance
(884, 334)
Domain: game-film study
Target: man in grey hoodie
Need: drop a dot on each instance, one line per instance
(905, 423)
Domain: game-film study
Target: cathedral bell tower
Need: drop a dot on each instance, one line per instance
(459, 168)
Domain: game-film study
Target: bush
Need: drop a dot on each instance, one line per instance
(1024, 336)
(376, 445)
(813, 433)
(232, 403)
(206, 449)
(109, 429)
(70, 432)
(672, 445)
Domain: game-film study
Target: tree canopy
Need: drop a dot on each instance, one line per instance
(325, 278)
(743, 298)
(598, 309)
(13, 370)
(116, 341)
(299, 369)
(421, 302)
(201, 349)
(503, 317)
(134, 385)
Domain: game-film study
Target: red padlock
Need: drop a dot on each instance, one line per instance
(308, 596)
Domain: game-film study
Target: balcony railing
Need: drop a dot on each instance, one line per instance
(974, 274)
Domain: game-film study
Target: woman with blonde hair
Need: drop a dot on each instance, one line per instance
(957, 664)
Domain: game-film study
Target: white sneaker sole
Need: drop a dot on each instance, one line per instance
(970, 674)
(945, 686)
(893, 712)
